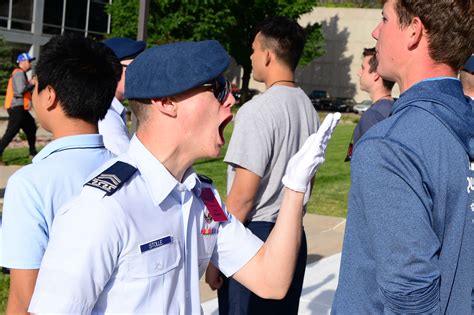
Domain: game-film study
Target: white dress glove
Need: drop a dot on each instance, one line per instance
(304, 164)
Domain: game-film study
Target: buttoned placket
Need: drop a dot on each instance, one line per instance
(186, 199)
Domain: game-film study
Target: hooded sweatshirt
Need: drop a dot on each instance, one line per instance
(408, 245)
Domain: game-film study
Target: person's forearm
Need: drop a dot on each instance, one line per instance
(270, 272)
(22, 284)
(281, 249)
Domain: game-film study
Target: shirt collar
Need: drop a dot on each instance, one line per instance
(117, 107)
(436, 79)
(159, 181)
(70, 142)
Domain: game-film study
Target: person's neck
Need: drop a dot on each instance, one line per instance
(280, 76)
(419, 71)
(166, 150)
(73, 127)
(380, 94)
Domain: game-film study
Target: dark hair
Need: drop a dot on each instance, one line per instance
(84, 75)
(285, 37)
(374, 63)
(448, 24)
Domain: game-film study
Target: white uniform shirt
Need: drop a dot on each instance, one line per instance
(114, 128)
(95, 260)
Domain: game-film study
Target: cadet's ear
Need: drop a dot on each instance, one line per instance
(375, 76)
(51, 98)
(166, 106)
(269, 56)
(415, 33)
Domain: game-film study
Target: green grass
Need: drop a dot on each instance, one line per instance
(4, 285)
(332, 180)
(17, 156)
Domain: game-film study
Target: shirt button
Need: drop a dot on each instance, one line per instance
(158, 266)
(187, 294)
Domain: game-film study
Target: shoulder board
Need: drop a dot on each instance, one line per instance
(112, 178)
(204, 179)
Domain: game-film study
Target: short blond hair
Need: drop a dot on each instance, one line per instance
(140, 108)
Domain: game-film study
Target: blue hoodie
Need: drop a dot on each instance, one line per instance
(409, 245)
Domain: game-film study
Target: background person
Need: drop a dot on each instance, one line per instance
(113, 127)
(75, 83)
(143, 231)
(408, 243)
(17, 103)
(467, 77)
(380, 92)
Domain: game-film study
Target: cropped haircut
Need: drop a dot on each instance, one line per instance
(140, 108)
(284, 37)
(374, 63)
(448, 24)
(84, 75)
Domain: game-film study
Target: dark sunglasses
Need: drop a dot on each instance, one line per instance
(220, 87)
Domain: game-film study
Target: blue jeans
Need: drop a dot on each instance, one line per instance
(236, 299)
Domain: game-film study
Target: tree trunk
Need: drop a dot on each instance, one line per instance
(245, 84)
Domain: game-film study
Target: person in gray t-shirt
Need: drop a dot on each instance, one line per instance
(268, 130)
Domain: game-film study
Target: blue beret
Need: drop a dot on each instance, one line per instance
(170, 69)
(469, 66)
(125, 48)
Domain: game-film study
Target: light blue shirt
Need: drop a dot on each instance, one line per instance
(114, 128)
(36, 192)
(94, 262)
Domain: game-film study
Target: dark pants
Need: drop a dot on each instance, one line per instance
(235, 299)
(19, 118)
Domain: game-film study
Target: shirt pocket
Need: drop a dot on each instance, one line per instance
(155, 262)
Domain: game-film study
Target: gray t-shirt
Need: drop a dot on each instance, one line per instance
(268, 131)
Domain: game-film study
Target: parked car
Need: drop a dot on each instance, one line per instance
(349, 102)
(362, 107)
(238, 93)
(323, 101)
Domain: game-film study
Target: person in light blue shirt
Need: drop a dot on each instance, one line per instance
(144, 229)
(114, 125)
(75, 83)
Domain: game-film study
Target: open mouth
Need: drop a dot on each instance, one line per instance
(222, 127)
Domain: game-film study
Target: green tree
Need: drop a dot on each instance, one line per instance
(231, 22)
(6, 66)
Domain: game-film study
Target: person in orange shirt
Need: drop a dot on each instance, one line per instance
(17, 103)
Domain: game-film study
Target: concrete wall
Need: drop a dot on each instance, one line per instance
(347, 33)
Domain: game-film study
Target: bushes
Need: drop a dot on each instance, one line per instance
(6, 65)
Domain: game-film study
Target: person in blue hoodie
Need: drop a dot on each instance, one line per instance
(408, 245)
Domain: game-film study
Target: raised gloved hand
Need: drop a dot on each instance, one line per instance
(304, 164)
